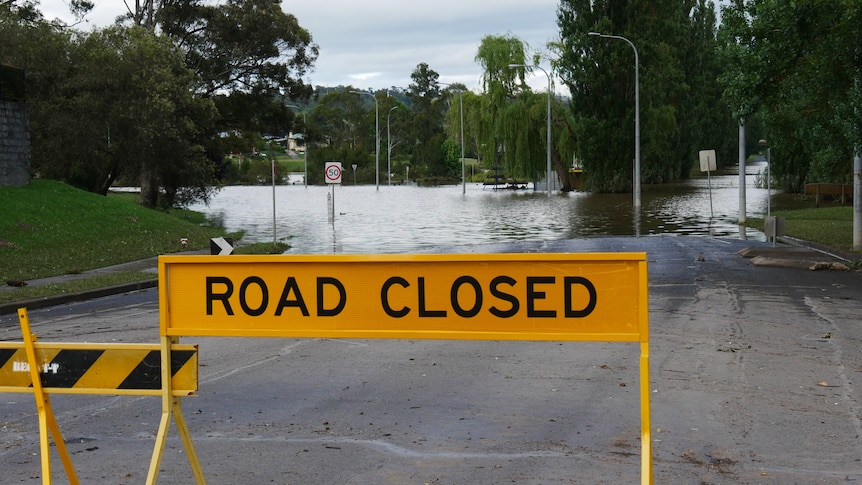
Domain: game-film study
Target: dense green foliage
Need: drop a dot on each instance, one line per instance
(508, 110)
(164, 96)
(160, 98)
(795, 67)
(429, 156)
(831, 226)
(681, 111)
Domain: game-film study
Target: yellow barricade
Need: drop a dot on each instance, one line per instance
(89, 368)
(546, 296)
(94, 368)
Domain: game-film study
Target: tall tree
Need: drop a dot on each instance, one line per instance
(510, 121)
(500, 84)
(249, 56)
(706, 121)
(600, 73)
(428, 158)
(796, 67)
(149, 124)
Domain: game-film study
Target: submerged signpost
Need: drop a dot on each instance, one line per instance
(707, 164)
(333, 173)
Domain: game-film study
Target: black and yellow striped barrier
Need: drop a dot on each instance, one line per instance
(167, 369)
(93, 368)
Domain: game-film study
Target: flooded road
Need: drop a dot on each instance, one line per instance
(397, 219)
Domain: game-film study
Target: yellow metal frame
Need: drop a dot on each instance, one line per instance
(172, 407)
(563, 264)
(47, 421)
(48, 427)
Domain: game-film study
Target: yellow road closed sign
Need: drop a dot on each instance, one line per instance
(565, 297)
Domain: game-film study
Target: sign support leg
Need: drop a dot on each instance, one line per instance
(47, 421)
(171, 406)
(646, 429)
(183, 429)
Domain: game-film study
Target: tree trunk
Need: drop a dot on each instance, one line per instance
(562, 172)
(149, 189)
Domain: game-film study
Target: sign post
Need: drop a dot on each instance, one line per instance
(332, 174)
(707, 164)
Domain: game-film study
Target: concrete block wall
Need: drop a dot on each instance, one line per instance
(14, 144)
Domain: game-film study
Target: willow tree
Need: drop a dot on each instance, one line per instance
(509, 126)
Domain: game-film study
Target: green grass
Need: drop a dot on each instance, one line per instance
(290, 165)
(49, 228)
(832, 226)
(54, 289)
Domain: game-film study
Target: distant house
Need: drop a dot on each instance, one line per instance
(296, 142)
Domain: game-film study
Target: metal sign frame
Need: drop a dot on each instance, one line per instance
(559, 297)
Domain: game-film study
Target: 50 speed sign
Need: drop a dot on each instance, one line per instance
(332, 172)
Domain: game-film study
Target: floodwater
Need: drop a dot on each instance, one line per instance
(399, 219)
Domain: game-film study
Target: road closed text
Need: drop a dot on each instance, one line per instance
(464, 296)
(591, 296)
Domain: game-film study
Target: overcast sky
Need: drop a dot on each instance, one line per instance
(378, 44)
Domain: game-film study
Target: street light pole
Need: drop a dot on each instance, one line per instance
(548, 175)
(637, 181)
(272, 155)
(463, 163)
(377, 133)
(389, 146)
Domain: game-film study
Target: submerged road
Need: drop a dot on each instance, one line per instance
(756, 378)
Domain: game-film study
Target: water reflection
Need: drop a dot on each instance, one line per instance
(409, 219)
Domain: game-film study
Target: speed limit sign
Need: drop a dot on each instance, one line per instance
(333, 172)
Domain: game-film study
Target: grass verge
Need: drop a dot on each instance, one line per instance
(831, 226)
(48, 228)
(90, 283)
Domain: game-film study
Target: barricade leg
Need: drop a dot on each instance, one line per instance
(171, 406)
(47, 421)
(183, 429)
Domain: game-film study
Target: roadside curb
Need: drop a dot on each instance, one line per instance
(48, 301)
(799, 254)
(843, 254)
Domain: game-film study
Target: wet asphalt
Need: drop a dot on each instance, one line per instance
(756, 377)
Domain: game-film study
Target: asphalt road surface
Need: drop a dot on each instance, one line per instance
(755, 379)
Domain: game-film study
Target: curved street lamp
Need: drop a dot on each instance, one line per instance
(637, 181)
(548, 175)
(377, 133)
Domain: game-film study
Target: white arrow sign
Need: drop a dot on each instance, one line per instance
(220, 246)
